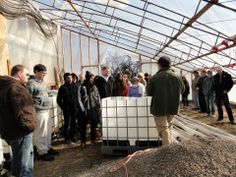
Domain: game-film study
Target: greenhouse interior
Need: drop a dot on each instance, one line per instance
(81, 36)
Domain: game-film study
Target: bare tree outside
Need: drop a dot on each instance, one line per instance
(122, 64)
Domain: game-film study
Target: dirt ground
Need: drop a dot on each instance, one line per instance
(75, 161)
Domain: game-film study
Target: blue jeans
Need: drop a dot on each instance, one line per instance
(210, 104)
(196, 99)
(23, 156)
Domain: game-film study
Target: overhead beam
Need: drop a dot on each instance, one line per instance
(188, 24)
(206, 54)
(183, 42)
(160, 23)
(77, 12)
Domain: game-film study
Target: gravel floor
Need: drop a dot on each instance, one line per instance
(206, 157)
(73, 161)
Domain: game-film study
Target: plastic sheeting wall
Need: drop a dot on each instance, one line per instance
(3, 47)
(29, 47)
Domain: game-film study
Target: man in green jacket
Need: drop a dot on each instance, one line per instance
(165, 88)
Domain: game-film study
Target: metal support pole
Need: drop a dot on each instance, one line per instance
(188, 24)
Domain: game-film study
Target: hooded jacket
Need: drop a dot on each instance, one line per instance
(17, 111)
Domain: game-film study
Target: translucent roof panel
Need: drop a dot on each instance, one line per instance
(196, 33)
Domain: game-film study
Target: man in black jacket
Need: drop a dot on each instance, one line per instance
(104, 83)
(223, 83)
(201, 96)
(67, 100)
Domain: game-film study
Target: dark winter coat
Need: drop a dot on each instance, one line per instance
(91, 101)
(67, 98)
(118, 88)
(199, 83)
(207, 86)
(104, 87)
(187, 88)
(17, 111)
(223, 82)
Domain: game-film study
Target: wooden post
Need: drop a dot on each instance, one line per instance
(8, 67)
(62, 45)
(81, 54)
(89, 51)
(98, 51)
(71, 54)
(140, 60)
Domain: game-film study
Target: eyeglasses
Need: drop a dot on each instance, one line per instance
(43, 72)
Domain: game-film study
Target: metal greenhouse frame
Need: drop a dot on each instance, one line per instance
(152, 28)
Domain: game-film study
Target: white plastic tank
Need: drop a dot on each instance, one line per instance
(128, 118)
(55, 111)
(1, 153)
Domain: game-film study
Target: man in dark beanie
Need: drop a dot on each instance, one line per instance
(165, 88)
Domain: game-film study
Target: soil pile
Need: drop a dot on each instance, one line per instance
(196, 158)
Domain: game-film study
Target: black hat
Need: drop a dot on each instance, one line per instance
(88, 75)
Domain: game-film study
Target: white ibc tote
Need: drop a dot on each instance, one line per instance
(1, 153)
(55, 111)
(128, 118)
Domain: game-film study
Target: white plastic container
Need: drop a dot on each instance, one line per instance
(55, 111)
(128, 118)
(1, 153)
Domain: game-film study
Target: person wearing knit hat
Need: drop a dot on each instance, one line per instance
(90, 99)
(88, 75)
(223, 83)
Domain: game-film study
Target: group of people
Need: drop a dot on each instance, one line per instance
(25, 123)
(165, 87)
(24, 105)
(209, 90)
(24, 118)
(80, 99)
